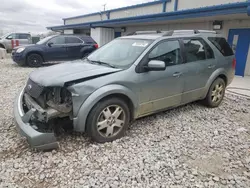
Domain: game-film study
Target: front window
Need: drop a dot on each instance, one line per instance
(45, 40)
(120, 53)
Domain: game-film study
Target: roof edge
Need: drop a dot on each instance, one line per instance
(117, 9)
(209, 11)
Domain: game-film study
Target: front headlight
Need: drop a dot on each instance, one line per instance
(19, 50)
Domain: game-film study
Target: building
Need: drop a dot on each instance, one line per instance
(230, 18)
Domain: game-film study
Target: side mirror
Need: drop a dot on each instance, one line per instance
(50, 44)
(155, 65)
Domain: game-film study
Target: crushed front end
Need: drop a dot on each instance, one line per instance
(38, 110)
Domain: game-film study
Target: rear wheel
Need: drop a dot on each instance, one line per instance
(34, 60)
(215, 93)
(108, 120)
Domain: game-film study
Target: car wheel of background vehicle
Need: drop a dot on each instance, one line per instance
(215, 93)
(34, 60)
(85, 54)
(108, 120)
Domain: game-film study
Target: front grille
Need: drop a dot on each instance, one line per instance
(33, 89)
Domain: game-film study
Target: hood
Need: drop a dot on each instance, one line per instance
(58, 75)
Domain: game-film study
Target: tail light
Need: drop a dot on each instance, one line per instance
(96, 46)
(234, 63)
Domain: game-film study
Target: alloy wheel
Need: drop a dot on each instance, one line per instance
(111, 121)
(217, 93)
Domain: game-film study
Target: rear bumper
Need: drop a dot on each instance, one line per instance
(38, 140)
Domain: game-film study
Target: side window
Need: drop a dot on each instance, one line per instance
(73, 40)
(58, 40)
(168, 51)
(222, 45)
(23, 36)
(195, 50)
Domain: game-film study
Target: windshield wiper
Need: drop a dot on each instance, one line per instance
(102, 63)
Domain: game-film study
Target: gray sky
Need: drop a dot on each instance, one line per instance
(35, 15)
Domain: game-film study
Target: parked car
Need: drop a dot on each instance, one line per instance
(54, 48)
(128, 78)
(23, 39)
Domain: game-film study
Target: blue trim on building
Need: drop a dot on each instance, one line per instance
(164, 4)
(176, 5)
(248, 8)
(122, 8)
(232, 8)
(108, 15)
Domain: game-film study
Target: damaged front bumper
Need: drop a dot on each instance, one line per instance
(38, 140)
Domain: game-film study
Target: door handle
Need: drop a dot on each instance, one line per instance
(211, 66)
(177, 74)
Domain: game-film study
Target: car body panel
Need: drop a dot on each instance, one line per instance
(54, 52)
(148, 91)
(58, 75)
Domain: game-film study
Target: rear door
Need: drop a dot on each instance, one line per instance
(74, 46)
(199, 65)
(23, 38)
(56, 49)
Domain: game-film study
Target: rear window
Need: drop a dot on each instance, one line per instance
(222, 45)
(88, 40)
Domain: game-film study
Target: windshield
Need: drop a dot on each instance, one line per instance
(120, 53)
(44, 40)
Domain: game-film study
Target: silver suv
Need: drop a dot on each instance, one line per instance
(22, 38)
(128, 78)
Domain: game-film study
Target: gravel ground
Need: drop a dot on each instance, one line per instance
(191, 146)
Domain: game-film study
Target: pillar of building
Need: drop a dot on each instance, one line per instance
(102, 35)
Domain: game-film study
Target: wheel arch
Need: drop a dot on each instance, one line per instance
(103, 93)
(35, 52)
(2, 46)
(219, 73)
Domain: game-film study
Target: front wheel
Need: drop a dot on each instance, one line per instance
(34, 60)
(108, 120)
(215, 93)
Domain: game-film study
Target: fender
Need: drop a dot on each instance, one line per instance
(36, 50)
(88, 104)
(216, 73)
(87, 49)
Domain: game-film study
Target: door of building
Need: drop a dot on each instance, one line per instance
(239, 39)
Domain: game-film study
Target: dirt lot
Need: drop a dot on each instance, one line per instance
(191, 146)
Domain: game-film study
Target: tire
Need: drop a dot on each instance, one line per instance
(85, 55)
(113, 117)
(215, 93)
(34, 60)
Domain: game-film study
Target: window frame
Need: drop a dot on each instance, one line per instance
(140, 67)
(54, 43)
(233, 53)
(18, 36)
(82, 42)
(203, 42)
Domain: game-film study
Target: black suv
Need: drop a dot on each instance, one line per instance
(54, 48)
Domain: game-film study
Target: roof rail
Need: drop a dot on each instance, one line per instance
(187, 32)
(143, 32)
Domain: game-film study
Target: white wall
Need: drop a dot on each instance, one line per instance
(85, 19)
(189, 4)
(152, 9)
(102, 35)
(170, 6)
(68, 31)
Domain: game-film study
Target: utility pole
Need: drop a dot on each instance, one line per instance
(104, 7)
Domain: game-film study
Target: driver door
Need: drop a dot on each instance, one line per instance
(162, 89)
(56, 49)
